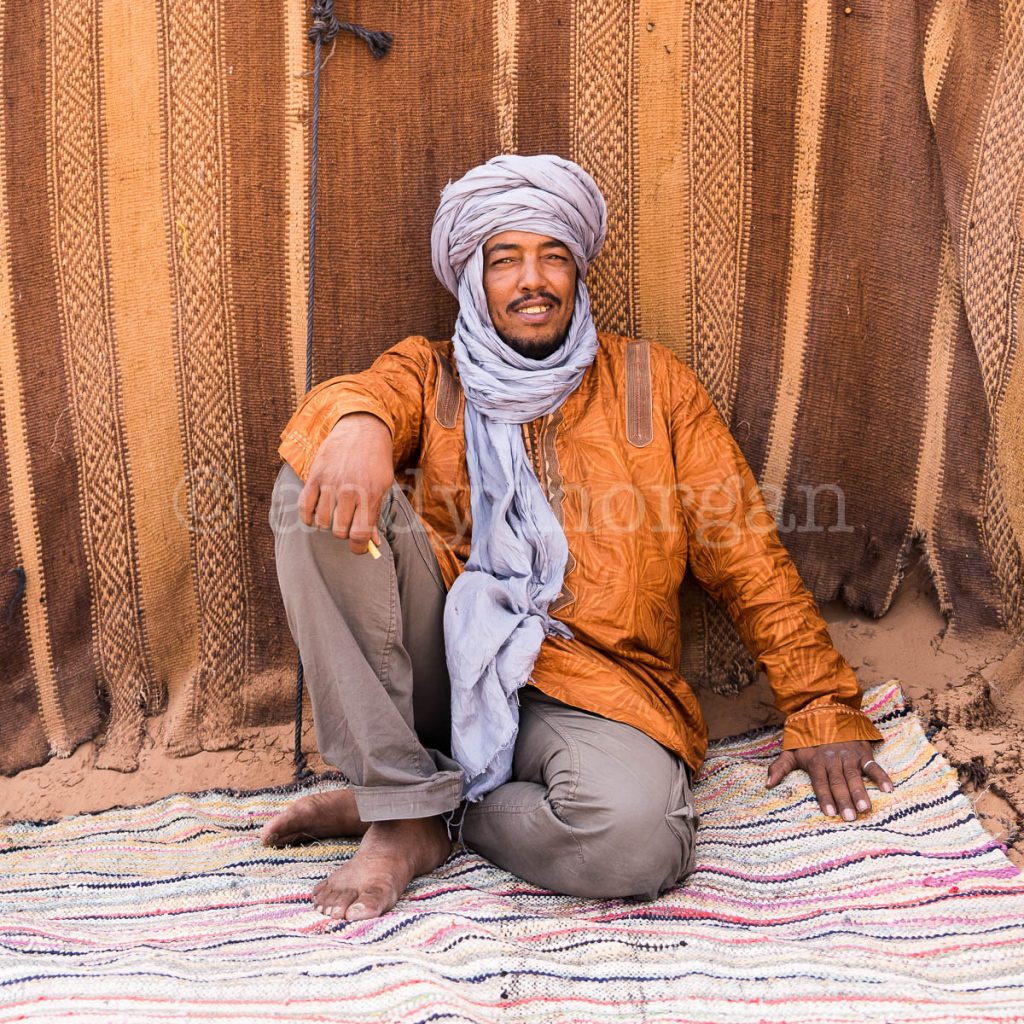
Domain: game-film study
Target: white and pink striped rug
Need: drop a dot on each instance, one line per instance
(173, 912)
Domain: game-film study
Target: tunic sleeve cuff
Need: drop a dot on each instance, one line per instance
(827, 723)
(309, 427)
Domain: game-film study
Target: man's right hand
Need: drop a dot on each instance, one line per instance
(350, 475)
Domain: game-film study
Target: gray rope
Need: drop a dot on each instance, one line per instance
(19, 589)
(325, 27)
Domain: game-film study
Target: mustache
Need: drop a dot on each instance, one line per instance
(530, 300)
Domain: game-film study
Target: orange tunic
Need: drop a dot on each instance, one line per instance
(646, 479)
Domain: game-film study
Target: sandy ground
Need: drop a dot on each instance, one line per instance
(969, 697)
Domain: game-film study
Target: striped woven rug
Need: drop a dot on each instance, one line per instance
(173, 911)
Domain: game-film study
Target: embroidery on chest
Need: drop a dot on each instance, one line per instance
(539, 439)
(448, 397)
(639, 399)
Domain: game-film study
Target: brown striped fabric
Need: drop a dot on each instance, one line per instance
(78, 196)
(817, 204)
(39, 430)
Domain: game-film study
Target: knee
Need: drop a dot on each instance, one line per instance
(284, 500)
(631, 847)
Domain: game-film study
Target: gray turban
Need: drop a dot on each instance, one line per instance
(543, 194)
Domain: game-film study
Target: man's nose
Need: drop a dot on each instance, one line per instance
(531, 275)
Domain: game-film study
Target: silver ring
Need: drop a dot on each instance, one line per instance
(864, 766)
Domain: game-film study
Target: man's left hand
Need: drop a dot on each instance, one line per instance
(837, 772)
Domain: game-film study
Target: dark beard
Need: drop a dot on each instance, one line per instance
(534, 350)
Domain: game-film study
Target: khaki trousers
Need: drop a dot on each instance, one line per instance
(596, 808)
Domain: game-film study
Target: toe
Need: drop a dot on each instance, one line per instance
(322, 898)
(335, 905)
(334, 895)
(279, 831)
(371, 901)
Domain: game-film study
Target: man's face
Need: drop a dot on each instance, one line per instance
(530, 284)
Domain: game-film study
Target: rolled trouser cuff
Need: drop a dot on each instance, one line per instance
(439, 795)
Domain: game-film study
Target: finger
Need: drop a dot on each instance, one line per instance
(819, 781)
(877, 774)
(307, 501)
(781, 767)
(376, 536)
(855, 784)
(341, 522)
(361, 530)
(323, 514)
(840, 790)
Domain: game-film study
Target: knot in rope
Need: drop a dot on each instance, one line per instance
(326, 26)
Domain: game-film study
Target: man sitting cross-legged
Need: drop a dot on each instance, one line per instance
(509, 665)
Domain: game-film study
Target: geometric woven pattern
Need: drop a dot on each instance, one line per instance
(174, 911)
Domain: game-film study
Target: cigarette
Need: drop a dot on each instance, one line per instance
(373, 549)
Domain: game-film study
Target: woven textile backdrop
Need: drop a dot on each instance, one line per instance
(817, 205)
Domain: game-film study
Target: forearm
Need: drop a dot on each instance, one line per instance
(391, 390)
(737, 555)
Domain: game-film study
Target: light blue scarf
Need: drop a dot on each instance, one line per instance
(496, 615)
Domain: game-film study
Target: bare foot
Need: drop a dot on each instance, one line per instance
(390, 856)
(318, 816)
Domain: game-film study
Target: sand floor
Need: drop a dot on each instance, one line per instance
(970, 697)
